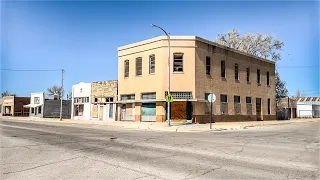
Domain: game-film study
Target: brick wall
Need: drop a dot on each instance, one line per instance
(104, 89)
(214, 83)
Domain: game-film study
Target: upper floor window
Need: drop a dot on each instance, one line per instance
(223, 69)
(258, 76)
(126, 68)
(248, 74)
(152, 64)
(268, 78)
(139, 66)
(36, 100)
(208, 65)
(236, 71)
(178, 62)
(248, 100)
(269, 107)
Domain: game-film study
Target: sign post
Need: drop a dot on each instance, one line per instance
(211, 98)
(169, 99)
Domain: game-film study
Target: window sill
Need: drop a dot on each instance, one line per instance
(268, 86)
(258, 84)
(248, 82)
(237, 81)
(138, 75)
(223, 79)
(177, 72)
(152, 73)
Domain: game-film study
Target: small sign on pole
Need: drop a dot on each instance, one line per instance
(211, 98)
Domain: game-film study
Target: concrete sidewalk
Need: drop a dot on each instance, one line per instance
(175, 127)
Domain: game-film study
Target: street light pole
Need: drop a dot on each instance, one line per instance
(168, 36)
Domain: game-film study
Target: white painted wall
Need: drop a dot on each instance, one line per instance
(40, 95)
(304, 110)
(82, 90)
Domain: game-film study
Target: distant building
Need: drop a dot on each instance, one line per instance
(13, 106)
(81, 98)
(243, 84)
(48, 108)
(0, 106)
(308, 107)
(287, 108)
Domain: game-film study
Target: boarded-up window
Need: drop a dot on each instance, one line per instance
(94, 111)
(152, 64)
(126, 68)
(178, 62)
(127, 97)
(109, 99)
(139, 66)
(237, 104)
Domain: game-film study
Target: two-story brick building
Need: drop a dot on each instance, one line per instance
(243, 84)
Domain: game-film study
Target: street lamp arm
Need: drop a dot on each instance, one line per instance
(153, 25)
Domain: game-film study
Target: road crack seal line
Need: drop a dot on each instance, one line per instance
(42, 165)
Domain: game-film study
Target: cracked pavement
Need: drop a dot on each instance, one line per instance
(47, 150)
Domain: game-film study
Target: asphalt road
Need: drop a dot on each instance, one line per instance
(39, 150)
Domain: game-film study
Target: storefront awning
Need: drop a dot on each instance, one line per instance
(32, 105)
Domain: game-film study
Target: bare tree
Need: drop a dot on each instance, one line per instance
(55, 90)
(69, 96)
(6, 93)
(264, 46)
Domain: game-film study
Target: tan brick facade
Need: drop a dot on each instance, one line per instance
(194, 79)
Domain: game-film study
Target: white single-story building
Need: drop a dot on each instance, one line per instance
(81, 98)
(36, 105)
(308, 107)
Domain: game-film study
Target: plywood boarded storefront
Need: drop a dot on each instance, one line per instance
(179, 110)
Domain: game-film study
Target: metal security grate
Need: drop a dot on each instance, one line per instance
(148, 96)
(180, 95)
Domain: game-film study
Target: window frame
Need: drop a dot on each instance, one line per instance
(139, 66)
(269, 106)
(126, 68)
(258, 76)
(268, 78)
(235, 98)
(236, 71)
(247, 100)
(182, 62)
(39, 109)
(248, 74)
(150, 64)
(221, 95)
(208, 65)
(223, 73)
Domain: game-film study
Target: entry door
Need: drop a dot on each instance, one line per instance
(35, 111)
(101, 113)
(123, 111)
(258, 109)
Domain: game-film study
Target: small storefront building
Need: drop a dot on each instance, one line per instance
(81, 98)
(14, 106)
(104, 97)
(36, 105)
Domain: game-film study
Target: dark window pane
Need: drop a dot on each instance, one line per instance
(236, 72)
(248, 100)
(126, 68)
(223, 69)
(177, 62)
(208, 65)
(138, 66)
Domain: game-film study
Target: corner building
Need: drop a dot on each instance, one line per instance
(243, 84)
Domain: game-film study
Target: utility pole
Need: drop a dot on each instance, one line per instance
(62, 92)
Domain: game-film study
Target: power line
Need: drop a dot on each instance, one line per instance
(31, 69)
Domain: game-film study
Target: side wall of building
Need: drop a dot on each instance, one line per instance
(52, 108)
(19, 102)
(214, 83)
